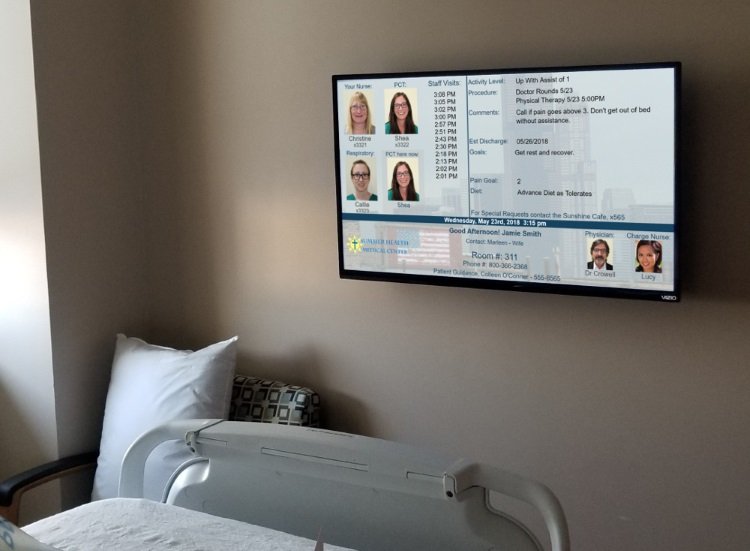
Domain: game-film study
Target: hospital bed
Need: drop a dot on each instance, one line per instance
(265, 483)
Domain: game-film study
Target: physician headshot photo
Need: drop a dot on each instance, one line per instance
(599, 252)
(403, 187)
(360, 174)
(359, 119)
(400, 116)
(648, 256)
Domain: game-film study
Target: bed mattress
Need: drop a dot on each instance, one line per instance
(126, 524)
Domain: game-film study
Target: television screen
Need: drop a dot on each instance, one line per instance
(558, 180)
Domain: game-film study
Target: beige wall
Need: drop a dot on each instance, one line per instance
(634, 413)
(89, 97)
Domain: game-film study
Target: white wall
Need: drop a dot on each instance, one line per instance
(28, 429)
(635, 413)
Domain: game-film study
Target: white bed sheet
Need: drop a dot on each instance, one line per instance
(123, 524)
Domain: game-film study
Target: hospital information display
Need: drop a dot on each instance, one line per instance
(559, 180)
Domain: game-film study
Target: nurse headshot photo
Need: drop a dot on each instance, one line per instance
(648, 256)
(359, 119)
(400, 116)
(403, 187)
(360, 174)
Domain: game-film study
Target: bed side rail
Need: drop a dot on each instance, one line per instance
(134, 461)
(275, 461)
(464, 475)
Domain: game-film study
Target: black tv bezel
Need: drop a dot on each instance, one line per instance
(533, 287)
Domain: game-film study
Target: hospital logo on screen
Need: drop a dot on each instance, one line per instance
(354, 244)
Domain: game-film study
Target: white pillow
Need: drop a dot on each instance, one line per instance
(151, 385)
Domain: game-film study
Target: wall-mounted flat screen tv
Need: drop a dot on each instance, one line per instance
(559, 179)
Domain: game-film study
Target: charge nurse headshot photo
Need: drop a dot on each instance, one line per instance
(648, 256)
(599, 253)
(359, 119)
(360, 175)
(400, 116)
(403, 187)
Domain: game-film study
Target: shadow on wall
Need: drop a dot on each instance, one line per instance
(713, 214)
(15, 433)
(185, 196)
(20, 450)
(302, 367)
